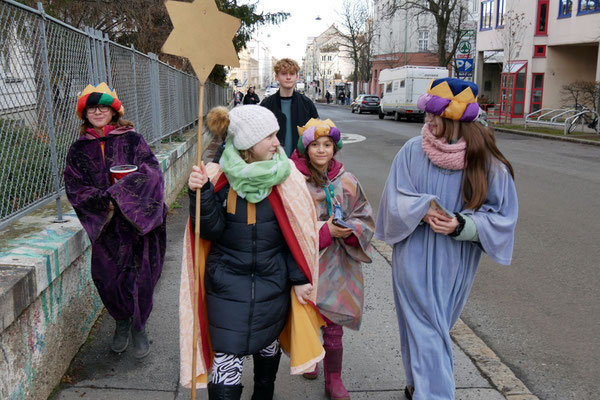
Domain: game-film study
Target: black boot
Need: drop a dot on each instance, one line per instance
(121, 337)
(265, 372)
(141, 346)
(218, 391)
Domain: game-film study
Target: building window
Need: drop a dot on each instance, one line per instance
(539, 51)
(588, 6)
(423, 40)
(537, 90)
(501, 11)
(565, 8)
(542, 18)
(486, 15)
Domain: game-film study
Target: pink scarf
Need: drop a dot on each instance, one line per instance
(441, 153)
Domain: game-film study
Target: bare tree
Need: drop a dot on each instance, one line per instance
(146, 23)
(449, 16)
(366, 55)
(581, 93)
(354, 35)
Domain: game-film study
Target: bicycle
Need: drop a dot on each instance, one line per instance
(582, 118)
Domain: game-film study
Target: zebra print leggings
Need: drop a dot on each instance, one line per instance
(227, 368)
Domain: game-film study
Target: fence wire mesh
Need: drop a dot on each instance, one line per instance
(44, 64)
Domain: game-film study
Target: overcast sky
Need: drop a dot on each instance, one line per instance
(299, 26)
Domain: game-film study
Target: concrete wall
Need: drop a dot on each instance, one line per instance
(48, 302)
(565, 65)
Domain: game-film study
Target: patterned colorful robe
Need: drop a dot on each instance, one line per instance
(341, 285)
(128, 246)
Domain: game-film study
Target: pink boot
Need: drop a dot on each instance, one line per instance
(312, 374)
(332, 364)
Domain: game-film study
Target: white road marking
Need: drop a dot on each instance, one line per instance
(352, 138)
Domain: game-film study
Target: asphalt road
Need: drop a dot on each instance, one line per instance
(541, 315)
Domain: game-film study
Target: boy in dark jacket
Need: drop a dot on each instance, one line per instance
(291, 108)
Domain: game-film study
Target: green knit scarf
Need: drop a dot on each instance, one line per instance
(253, 181)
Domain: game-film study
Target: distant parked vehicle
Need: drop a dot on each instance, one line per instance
(271, 90)
(365, 102)
(402, 87)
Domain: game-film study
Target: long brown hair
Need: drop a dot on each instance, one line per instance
(116, 120)
(481, 152)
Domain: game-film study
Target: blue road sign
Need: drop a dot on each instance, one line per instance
(465, 65)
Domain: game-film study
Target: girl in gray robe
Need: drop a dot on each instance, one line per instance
(449, 196)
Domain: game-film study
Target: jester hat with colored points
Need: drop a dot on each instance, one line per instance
(451, 98)
(316, 128)
(94, 95)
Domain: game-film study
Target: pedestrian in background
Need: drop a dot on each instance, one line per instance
(337, 194)
(450, 195)
(292, 109)
(253, 260)
(342, 98)
(124, 219)
(327, 96)
(251, 97)
(238, 98)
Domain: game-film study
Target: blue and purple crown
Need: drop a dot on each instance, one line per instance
(451, 98)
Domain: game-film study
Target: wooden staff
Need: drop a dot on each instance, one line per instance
(197, 258)
(204, 35)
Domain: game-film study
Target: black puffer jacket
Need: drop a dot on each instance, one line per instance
(303, 109)
(249, 273)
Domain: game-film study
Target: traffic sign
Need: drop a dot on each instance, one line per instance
(465, 65)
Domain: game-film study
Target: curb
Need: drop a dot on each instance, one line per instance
(487, 362)
(550, 137)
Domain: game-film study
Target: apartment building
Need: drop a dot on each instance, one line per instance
(528, 50)
(326, 63)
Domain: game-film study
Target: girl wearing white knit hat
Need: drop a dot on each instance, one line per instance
(260, 220)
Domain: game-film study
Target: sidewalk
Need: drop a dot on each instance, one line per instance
(373, 367)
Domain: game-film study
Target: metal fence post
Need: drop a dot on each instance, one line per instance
(155, 94)
(90, 46)
(100, 55)
(135, 99)
(49, 111)
(107, 57)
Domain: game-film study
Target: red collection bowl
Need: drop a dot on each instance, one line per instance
(119, 171)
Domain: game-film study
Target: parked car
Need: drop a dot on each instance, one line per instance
(365, 102)
(271, 90)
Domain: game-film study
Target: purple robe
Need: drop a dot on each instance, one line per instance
(128, 248)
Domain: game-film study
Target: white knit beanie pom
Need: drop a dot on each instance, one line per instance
(250, 124)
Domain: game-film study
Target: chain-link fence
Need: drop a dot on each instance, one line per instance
(44, 63)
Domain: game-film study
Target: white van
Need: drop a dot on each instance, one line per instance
(402, 87)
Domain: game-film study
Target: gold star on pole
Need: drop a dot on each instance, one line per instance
(202, 34)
